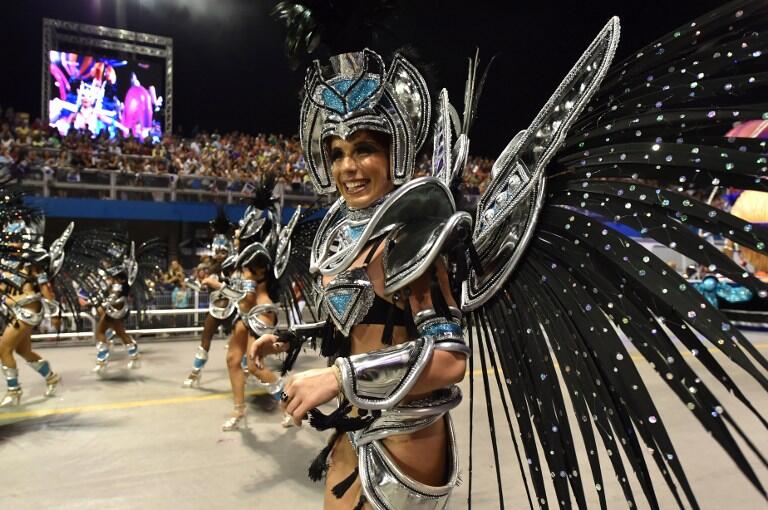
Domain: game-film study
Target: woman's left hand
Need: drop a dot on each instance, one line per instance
(309, 389)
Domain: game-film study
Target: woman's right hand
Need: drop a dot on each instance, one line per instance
(264, 346)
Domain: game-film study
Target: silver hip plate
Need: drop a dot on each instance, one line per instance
(386, 487)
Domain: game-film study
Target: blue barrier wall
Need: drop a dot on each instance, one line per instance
(187, 212)
(92, 208)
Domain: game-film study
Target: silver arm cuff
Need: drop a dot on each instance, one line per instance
(257, 326)
(231, 294)
(448, 334)
(381, 379)
(51, 307)
(309, 327)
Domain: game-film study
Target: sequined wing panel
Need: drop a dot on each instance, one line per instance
(81, 276)
(508, 209)
(19, 244)
(150, 258)
(294, 249)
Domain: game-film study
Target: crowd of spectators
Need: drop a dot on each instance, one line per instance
(238, 158)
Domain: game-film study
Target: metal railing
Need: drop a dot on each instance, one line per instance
(194, 312)
(161, 319)
(117, 184)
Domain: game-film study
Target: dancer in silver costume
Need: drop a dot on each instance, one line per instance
(26, 271)
(252, 288)
(119, 285)
(541, 269)
(398, 344)
(221, 309)
(112, 310)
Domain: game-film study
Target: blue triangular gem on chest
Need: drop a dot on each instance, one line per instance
(348, 297)
(341, 299)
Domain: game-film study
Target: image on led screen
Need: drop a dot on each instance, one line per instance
(99, 94)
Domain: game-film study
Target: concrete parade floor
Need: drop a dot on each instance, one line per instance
(137, 439)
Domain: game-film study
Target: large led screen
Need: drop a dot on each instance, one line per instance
(102, 94)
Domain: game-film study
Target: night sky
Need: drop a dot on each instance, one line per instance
(231, 73)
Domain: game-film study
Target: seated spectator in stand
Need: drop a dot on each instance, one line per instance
(174, 277)
(239, 158)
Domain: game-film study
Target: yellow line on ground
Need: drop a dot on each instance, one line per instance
(112, 406)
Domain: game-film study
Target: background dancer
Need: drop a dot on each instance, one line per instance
(26, 294)
(221, 309)
(254, 288)
(124, 282)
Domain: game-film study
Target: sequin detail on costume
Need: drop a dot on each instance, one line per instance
(357, 97)
(712, 289)
(348, 297)
(340, 301)
(13, 228)
(441, 329)
(354, 232)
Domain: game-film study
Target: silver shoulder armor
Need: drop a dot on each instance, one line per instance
(343, 233)
(413, 247)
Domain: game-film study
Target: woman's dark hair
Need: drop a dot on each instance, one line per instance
(122, 279)
(273, 287)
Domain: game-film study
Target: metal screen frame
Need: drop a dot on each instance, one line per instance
(57, 31)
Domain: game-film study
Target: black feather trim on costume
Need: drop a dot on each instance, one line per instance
(319, 465)
(343, 486)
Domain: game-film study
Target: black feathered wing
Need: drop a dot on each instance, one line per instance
(561, 282)
(17, 244)
(82, 275)
(291, 266)
(150, 258)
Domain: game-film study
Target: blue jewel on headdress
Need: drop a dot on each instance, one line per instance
(356, 98)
